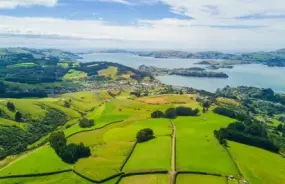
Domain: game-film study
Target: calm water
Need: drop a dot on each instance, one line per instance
(241, 75)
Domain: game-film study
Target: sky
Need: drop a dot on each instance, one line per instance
(220, 25)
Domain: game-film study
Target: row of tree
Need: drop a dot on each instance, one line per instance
(69, 153)
(239, 115)
(172, 113)
(247, 132)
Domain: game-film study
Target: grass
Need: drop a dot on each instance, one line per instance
(197, 179)
(74, 75)
(105, 161)
(110, 72)
(228, 101)
(28, 107)
(40, 160)
(12, 123)
(67, 111)
(170, 99)
(149, 155)
(22, 65)
(111, 145)
(146, 179)
(197, 149)
(63, 178)
(258, 165)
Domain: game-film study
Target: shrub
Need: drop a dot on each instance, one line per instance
(85, 123)
(57, 140)
(171, 113)
(230, 113)
(145, 135)
(157, 114)
(67, 104)
(72, 152)
(186, 111)
(18, 116)
(11, 106)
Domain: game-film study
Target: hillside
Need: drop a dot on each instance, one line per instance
(187, 147)
(37, 73)
(273, 58)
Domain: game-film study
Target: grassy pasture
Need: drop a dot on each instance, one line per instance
(197, 149)
(258, 165)
(228, 101)
(110, 72)
(146, 179)
(63, 178)
(111, 145)
(22, 65)
(105, 160)
(154, 154)
(41, 160)
(12, 123)
(199, 179)
(170, 99)
(74, 75)
(67, 111)
(28, 107)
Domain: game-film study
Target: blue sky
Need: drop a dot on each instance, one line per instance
(144, 24)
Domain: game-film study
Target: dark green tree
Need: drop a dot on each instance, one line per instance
(85, 123)
(57, 140)
(171, 113)
(10, 106)
(157, 114)
(145, 135)
(18, 116)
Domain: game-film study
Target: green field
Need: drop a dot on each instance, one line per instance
(63, 178)
(12, 123)
(42, 160)
(22, 65)
(149, 155)
(110, 72)
(111, 145)
(258, 165)
(199, 179)
(74, 75)
(146, 179)
(197, 149)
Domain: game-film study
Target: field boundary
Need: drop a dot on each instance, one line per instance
(141, 173)
(97, 181)
(234, 161)
(36, 175)
(199, 173)
(82, 131)
(129, 156)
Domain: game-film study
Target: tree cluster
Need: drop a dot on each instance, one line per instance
(157, 114)
(247, 132)
(145, 135)
(85, 123)
(239, 115)
(172, 113)
(68, 153)
(10, 106)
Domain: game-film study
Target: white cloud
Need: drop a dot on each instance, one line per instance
(6, 4)
(117, 1)
(214, 25)
(166, 33)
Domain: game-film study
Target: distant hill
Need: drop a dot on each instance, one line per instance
(50, 68)
(274, 58)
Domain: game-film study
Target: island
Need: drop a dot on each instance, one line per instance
(187, 72)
